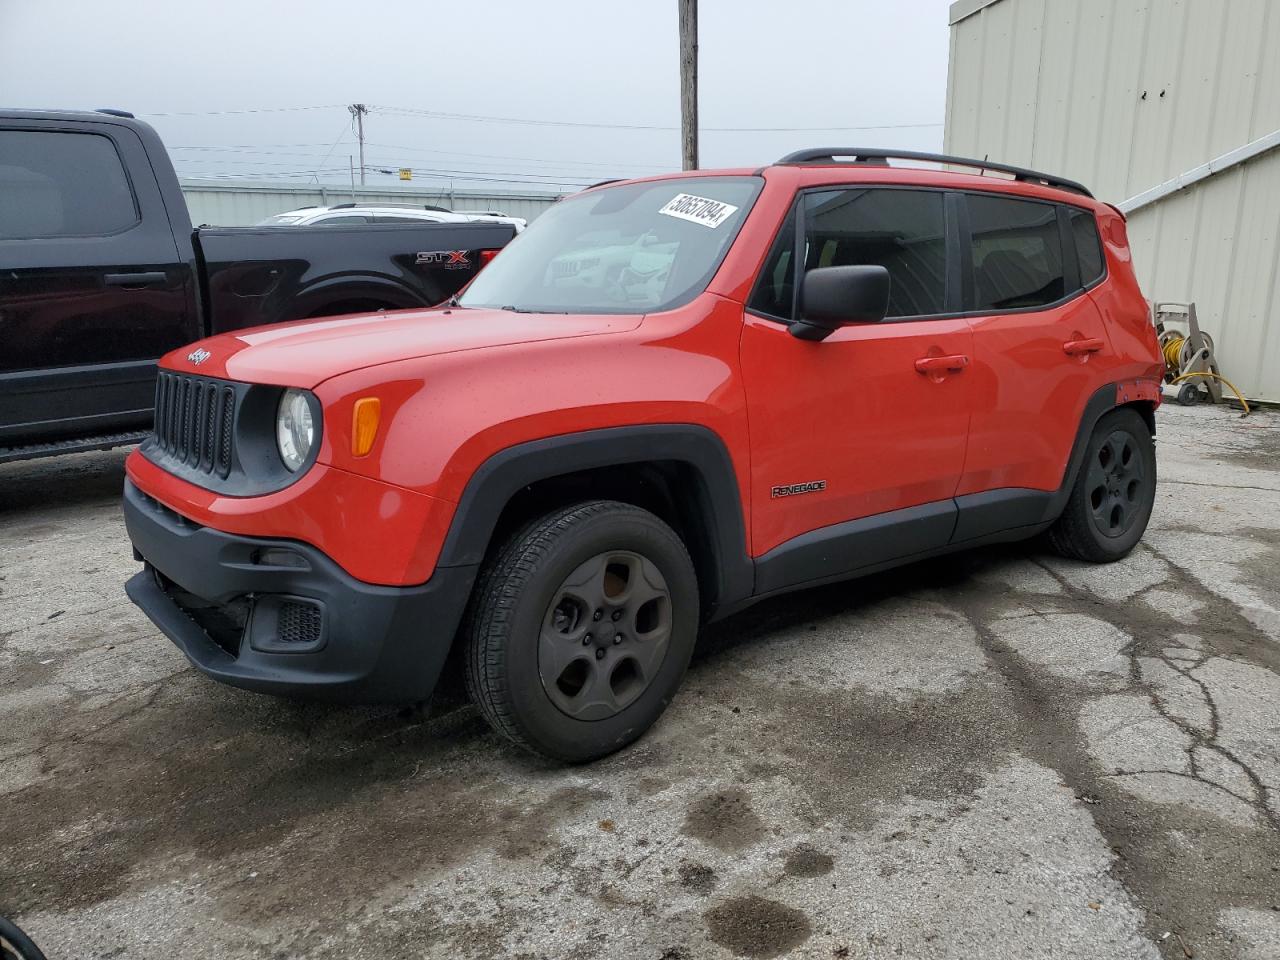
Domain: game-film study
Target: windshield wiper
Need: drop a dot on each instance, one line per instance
(526, 310)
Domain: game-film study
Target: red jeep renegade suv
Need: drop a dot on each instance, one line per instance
(666, 399)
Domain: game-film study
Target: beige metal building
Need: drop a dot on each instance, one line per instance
(1169, 109)
(240, 204)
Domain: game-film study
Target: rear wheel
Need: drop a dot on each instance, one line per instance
(581, 629)
(1110, 503)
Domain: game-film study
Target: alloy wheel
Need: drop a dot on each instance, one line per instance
(1117, 484)
(604, 635)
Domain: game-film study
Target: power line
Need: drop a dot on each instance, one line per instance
(438, 115)
(248, 146)
(483, 118)
(382, 162)
(222, 113)
(437, 175)
(564, 161)
(499, 156)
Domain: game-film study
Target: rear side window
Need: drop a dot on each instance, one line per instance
(1088, 246)
(901, 230)
(1017, 253)
(60, 184)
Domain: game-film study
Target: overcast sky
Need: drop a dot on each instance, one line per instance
(595, 81)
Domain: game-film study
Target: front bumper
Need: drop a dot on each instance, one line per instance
(278, 616)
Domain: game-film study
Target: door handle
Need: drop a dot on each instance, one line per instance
(1075, 348)
(143, 279)
(942, 364)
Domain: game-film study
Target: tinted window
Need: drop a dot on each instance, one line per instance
(901, 230)
(1088, 247)
(1017, 253)
(348, 220)
(774, 292)
(61, 185)
(389, 219)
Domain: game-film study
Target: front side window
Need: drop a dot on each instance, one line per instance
(1017, 253)
(634, 247)
(900, 230)
(774, 293)
(1088, 246)
(60, 184)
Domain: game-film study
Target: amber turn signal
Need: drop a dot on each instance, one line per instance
(364, 425)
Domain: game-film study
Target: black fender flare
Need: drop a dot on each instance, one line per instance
(1110, 397)
(716, 496)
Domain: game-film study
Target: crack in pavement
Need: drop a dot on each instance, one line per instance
(1197, 737)
(1147, 849)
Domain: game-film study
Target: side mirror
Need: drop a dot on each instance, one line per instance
(832, 297)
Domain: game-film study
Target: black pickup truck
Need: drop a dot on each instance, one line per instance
(101, 273)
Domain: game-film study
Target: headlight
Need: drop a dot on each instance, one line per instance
(295, 429)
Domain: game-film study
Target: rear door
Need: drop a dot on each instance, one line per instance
(1039, 341)
(868, 426)
(92, 289)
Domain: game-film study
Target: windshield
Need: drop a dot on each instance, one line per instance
(279, 220)
(633, 248)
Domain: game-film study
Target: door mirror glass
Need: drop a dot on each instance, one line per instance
(832, 297)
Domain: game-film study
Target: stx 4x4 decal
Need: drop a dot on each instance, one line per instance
(449, 259)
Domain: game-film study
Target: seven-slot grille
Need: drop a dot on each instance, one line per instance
(194, 420)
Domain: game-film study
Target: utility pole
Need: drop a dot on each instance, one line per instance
(358, 110)
(689, 83)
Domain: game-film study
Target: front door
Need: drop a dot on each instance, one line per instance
(857, 441)
(92, 290)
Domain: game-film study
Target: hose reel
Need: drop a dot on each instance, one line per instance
(1189, 357)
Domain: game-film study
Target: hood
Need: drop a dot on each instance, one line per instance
(303, 354)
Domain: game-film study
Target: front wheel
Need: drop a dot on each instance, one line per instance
(580, 630)
(1111, 500)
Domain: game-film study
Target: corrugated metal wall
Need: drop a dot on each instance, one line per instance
(234, 205)
(1123, 95)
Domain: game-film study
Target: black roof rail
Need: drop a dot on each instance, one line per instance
(116, 113)
(880, 157)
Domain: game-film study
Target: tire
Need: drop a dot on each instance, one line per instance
(580, 630)
(1111, 499)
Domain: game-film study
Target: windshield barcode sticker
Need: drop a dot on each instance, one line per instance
(709, 213)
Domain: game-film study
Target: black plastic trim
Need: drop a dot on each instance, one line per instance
(505, 473)
(380, 644)
(844, 548)
(1070, 257)
(994, 511)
